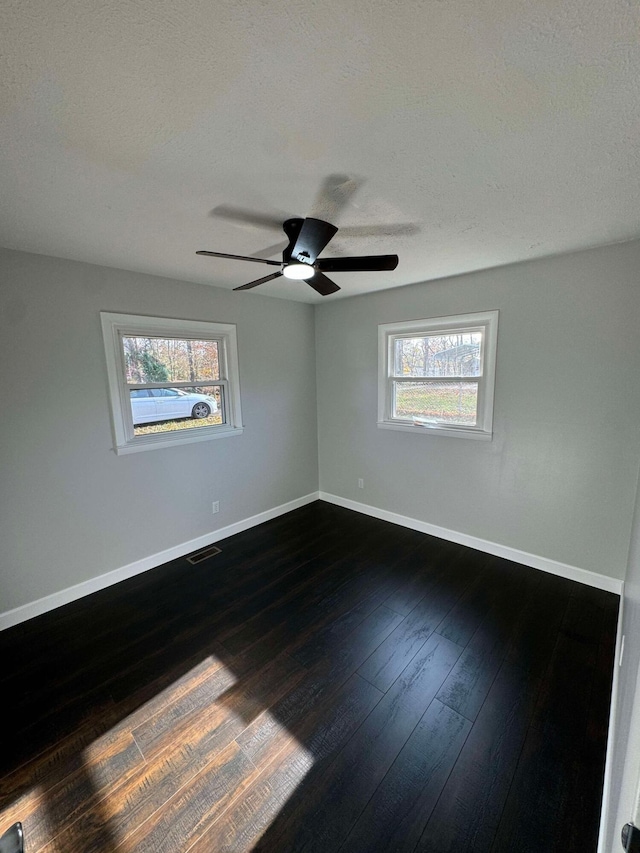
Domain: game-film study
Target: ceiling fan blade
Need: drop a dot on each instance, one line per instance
(239, 258)
(276, 249)
(313, 237)
(322, 284)
(368, 263)
(335, 193)
(251, 218)
(258, 281)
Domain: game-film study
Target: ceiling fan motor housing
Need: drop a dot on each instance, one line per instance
(307, 239)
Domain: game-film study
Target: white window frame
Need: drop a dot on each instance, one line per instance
(117, 326)
(487, 321)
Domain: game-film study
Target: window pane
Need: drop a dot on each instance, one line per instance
(163, 392)
(170, 360)
(442, 354)
(441, 402)
(171, 409)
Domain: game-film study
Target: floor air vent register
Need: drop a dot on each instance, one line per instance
(199, 556)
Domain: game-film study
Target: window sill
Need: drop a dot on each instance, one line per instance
(158, 441)
(428, 429)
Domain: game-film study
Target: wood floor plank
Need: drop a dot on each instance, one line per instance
(395, 586)
(328, 622)
(187, 815)
(321, 579)
(566, 687)
(371, 592)
(462, 620)
(541, 787)
(534, 638)
(97, 740)
(240, 828)
(545, 793)
(334, 800)
(471, 678)
(147, 793)
(583, 620)
(554, 802)
(467, 814)
(60, 758)
(288, 761)
(469, 682)
(397, 813)
(587, 780)
(334, 605)
(320, 684)
(79, 790)
(322, 729)
(214, 698)
(426, 564)
(177, 756)
(393, 655)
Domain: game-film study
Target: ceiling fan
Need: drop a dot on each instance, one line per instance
(307, 239)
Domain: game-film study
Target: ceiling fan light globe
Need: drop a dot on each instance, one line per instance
(299, 271)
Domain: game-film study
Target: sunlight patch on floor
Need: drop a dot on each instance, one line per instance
(194, 740)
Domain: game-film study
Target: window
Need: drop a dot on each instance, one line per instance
(437, 375)
(170, 381)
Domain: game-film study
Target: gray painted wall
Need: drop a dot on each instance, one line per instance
(70, 509)
(558, 480)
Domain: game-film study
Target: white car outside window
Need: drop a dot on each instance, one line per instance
(149, 405)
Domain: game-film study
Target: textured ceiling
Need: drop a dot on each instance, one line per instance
(461, 135)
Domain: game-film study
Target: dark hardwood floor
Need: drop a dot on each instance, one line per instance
(328, 682)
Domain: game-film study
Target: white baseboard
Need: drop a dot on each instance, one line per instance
(65, 596)
(543, 563)
(72, 593)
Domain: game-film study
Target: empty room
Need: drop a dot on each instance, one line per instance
(319, 453)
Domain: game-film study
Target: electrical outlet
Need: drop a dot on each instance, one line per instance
(215, 506)
(360, 483)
